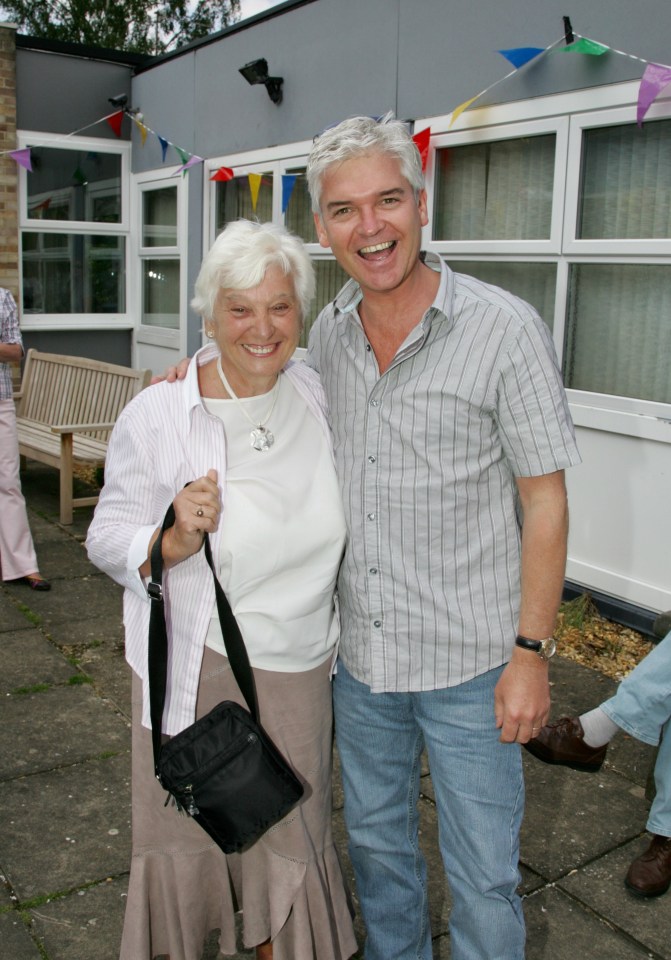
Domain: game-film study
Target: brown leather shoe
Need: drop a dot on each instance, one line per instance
(650, 874)
(562, 742)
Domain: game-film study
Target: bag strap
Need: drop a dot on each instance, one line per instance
(158, 638)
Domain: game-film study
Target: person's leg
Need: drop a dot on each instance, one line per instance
(17, 554)
(379, 745)
(659, 820)
(642, 703)
(480, 798)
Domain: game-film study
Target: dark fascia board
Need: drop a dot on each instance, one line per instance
(613, 608)
(227, 31)
(82, 51)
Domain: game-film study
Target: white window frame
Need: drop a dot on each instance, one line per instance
(568, 114)
(142, 183)
(77, 321)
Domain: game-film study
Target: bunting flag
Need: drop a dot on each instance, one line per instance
(463, 106)
(421, 141)
(192, 161)
(22, 157)
(114, 121)
(583, 45)
(164, 147)
(655, 78)
(42, 206)
(288, 183)
(521, 55)
(254, 186)
(143, 130)
(183, 155)
(223, 174)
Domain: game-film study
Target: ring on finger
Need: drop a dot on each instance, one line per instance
(200, 512)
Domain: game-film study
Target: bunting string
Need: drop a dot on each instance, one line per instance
(656, 77)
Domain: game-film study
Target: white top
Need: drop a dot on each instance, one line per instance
(163, 439)
(282, 533)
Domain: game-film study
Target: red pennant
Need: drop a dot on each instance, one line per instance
(421, 141)
(115, 122)
(223, 173)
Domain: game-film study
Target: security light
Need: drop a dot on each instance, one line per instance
(256, 71)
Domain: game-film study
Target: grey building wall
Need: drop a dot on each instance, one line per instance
(417, 57)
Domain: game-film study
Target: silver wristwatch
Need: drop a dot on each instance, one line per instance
(544, 648)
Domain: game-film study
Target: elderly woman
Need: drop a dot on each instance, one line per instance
(246, 430)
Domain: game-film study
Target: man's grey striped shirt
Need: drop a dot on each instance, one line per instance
(427, 456)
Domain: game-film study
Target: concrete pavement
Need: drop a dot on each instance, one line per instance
(65, 787)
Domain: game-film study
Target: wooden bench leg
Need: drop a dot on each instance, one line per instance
(66, 478)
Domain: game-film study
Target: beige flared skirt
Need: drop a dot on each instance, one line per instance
(289, 884)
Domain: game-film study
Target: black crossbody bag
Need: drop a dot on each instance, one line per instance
(223, 770)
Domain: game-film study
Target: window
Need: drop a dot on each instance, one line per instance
(160, 288)
(74, 223)
(270, 185)
(571, 212)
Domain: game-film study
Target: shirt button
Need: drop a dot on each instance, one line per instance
(371, 516)
(377, 623)
(371, 459)
(368, 347)
(373, 570)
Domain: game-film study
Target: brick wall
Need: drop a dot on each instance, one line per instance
(9, 224)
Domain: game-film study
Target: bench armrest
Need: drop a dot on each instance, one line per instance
(80, 427)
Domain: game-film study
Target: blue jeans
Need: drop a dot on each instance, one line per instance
(642, 707)
(479, 795)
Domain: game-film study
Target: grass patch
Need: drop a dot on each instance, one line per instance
(30, 615)
(78, 680)
(35, 688)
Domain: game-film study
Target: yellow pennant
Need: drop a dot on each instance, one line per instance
(254, 186)
(460, 109)
(143, 130)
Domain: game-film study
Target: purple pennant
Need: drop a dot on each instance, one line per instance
(22, 157)
(655, 77)
(521, 55)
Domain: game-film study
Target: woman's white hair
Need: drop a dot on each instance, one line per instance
(239, 258)
(359, 136)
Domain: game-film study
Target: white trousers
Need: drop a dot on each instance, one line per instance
(17, 553)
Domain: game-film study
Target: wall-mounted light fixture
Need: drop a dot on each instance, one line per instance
(256, 71)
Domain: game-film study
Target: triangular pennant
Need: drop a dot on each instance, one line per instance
(223, 174)
(288, 184)
(141, 127)
(521, 55)
(183, 154)
(421, 141)
(655, 77)
(164, 147)
(115, 122)
(583, 45)
(460, 109)
(191, 162)
(22, 157)
(42, 206)
(254, 186)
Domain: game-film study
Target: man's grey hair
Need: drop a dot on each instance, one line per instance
(239, 258)
(359, 136)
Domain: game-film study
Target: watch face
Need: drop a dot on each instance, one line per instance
(548, 648)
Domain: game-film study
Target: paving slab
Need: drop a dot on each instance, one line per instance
(83, 925)
(71, 600)
(16, 942)
(62, 558)
(13, 610)
(56, 727)
(573, 817)
(28, 659)
(559, 928)
(66, 828)
(600, 887)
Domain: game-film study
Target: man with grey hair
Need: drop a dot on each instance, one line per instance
(452, 432)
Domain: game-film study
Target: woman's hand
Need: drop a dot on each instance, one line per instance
(197, 509)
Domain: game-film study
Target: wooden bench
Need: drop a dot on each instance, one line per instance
(66, 409)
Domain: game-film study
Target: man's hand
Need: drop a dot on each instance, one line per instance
(173, 373)
(522, 697)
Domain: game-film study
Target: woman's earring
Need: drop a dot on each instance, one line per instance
(209, 334)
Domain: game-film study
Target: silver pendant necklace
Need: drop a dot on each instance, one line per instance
(260, 437)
